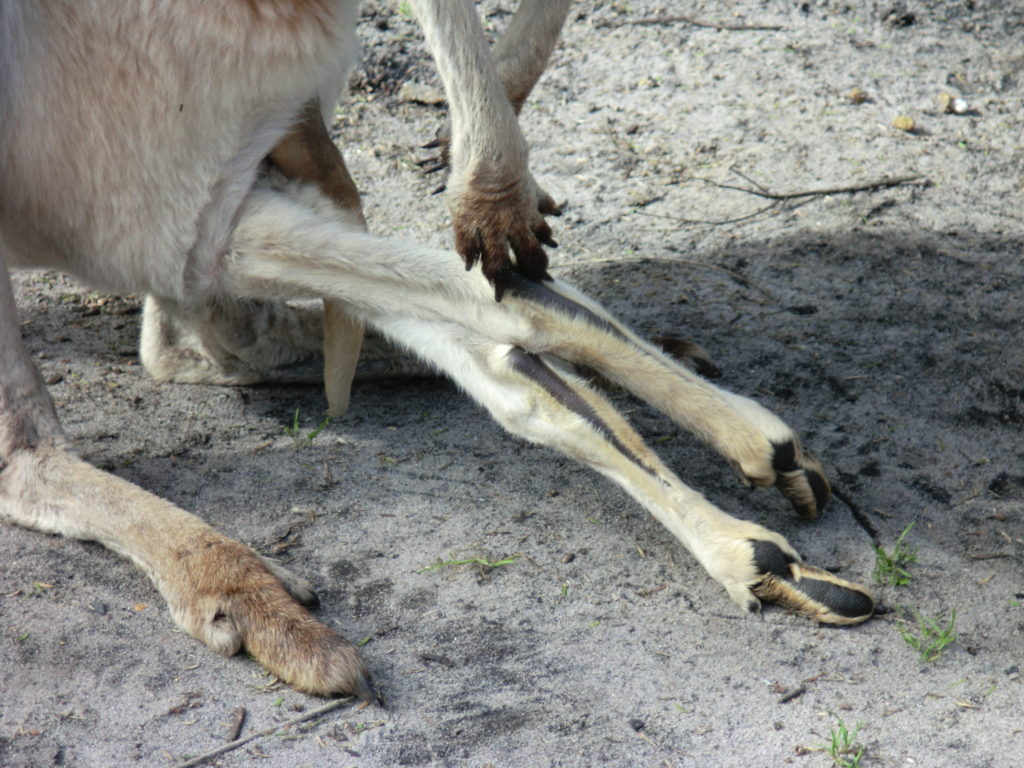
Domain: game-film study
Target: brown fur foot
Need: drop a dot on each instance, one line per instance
(234, 601)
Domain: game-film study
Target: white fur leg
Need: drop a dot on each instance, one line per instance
(764, 450)
(227, 342)
(509, 356)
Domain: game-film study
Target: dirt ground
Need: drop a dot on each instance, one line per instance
(884, 325)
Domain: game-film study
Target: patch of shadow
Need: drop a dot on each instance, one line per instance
(418, 600)
(1007, 486)
(342, 571)
(1005, 405)
(460, 735)
(415, 750)
(871, 469)
(371, 598)
(932, 491)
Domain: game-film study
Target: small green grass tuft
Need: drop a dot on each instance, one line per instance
(842, 745)
(295, 431)
(930, 639)
(890, 568)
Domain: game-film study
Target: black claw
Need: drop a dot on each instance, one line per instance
(432, 144)
(689, 354)
(440, 189)
(434, 168)
(784, 457)
(548, 241)
(819, 487)
(769, 558)
(839, 599)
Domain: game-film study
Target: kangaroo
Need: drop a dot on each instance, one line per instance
(179, 149)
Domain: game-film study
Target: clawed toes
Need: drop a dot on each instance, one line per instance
(240, 600)
(548, 207)
(808, 591)
(801, 479)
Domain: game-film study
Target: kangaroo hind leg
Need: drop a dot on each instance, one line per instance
(515, 358)
(764, 450)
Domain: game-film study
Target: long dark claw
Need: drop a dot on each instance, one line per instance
(809, 591)
(549, 207)
(801, 479)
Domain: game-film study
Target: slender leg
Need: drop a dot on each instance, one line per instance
(522, 53)
(513, 358)
(308, 153)
(491, 194)
(761, 446)
(520, 57)
(248, 342)
(218, 590)
(27, 416)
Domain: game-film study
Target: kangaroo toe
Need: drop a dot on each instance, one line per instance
(801, 479)
(808, 591)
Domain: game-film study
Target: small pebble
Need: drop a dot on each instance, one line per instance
(952, 105)
(420, 94)
(903, 123)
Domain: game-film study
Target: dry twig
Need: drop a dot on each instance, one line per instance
(870, 186)
(329, 707)
(652, 21)
(799, 197)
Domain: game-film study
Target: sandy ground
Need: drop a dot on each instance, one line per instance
(884, 325)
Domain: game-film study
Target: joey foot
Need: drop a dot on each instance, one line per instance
(230, 599)
(801, 479)
(806, 590)
(796, 473)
